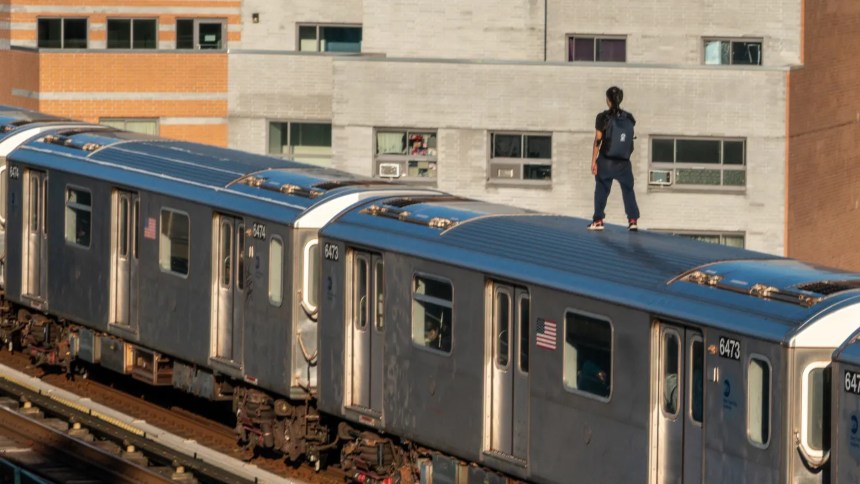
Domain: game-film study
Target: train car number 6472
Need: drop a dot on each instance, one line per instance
(852, 382)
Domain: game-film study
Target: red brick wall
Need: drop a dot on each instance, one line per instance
(823, 206)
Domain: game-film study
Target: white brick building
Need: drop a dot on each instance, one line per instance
(506, 116)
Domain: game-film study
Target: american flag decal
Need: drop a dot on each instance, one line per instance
(149, 230)
(546, 332)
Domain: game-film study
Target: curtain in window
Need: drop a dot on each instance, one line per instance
(390, 143)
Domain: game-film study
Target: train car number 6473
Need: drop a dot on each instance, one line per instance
(730, 348)
(852, 382)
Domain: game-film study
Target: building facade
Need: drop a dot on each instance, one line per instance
(746, 110)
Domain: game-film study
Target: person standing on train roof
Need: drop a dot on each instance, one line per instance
(610, 159)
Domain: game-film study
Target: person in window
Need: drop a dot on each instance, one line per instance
(418, 147)
(607, 168)
(593, 379)
(670, 393)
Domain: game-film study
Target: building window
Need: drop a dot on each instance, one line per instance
(406, 153)
(174, 242)
(330, 38)
(276, 271)
(143, 126)
(201, 34)
(758, 401)
(306, 142)
(62, 33)
(587, 355)
(432, 303)
(520, 156)
(591, 48)
(78, 215)
(698, 162)
(131, 33)
(728, 238)
(733, 51)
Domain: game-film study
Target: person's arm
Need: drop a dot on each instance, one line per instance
(595, 150)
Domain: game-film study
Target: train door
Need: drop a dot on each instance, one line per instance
(507, 391)
(364, 364)
(35, 235)
(125, 243)
(680, 398)
(228, 248)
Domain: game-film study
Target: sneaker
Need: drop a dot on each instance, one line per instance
(632, 225)
(596, 225)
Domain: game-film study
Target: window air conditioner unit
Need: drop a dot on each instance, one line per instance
(389, 170)
(660, 177)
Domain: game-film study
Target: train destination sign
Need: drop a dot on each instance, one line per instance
(730, 348)
(852, 382)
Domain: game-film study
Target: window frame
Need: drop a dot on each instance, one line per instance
(403, 160)
(764, 359)
(520, 297)
(731, 41)
(125, 121)
(563, 342)
(291, 154)
(63, 31)
(689, 234)
(804, 407)
(674, 165)
(521, 162)
(412, 294)
(319, 26)
(160, 261)
(195, 32)
(132, 21)
(679, 361)
(594, 38)
(690, 383)
(307, 278)
(280, 300)
(77, 206)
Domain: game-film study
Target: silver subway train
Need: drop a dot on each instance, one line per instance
(410, 335)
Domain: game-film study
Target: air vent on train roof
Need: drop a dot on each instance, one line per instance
(394, 208)
(799, 296)
(829, 287)
(13, 125)
(264, 183)
(70, 142)
(332, 184)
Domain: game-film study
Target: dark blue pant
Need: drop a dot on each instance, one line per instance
(608, 170)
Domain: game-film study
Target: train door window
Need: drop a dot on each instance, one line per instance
(226, 252)
(276, 269)
(502, 327)
(35, 210)
(135, 219)
(671, 363)
(588, 354)
(524, 332)
(432, 303)
(240, 256)
(379, 286)
(758, 401)
(697, 375)
(123, 227)
(78, 215)
(816, 408)
(311, 277)
(174, 249)
(360, 285)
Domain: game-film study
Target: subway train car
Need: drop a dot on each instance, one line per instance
(415, 335)
(844, 435)
(529, 345)
(16, 127)
(177, 263)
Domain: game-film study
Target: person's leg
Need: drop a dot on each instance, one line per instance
(602, 187)
(625, 179)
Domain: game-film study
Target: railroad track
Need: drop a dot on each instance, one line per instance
(176, 413)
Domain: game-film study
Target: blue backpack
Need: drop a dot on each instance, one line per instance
(618, 137)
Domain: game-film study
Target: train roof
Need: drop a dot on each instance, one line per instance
(748, 292)
(13, 118)
(850, 351)
(268, 187)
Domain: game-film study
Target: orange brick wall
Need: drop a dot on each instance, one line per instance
(823, 208)
(20, 70)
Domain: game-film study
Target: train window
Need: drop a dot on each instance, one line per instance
(524, 333)
(758, 401)
(697, 375)
(123, 227)
(226, 246)
(816, 407)
(78, 215)
(174, 242)
(240, 256)
(432, 303)
(379, 287)
(503, 328)
(276, 268)
(360, 288)
(135, 219)
(588, 354)
(311, 277)
(671, 363)
(34, 204)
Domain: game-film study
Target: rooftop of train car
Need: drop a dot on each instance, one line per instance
(206, 173)
(557, 251)
(13, 118)
(850, 351)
